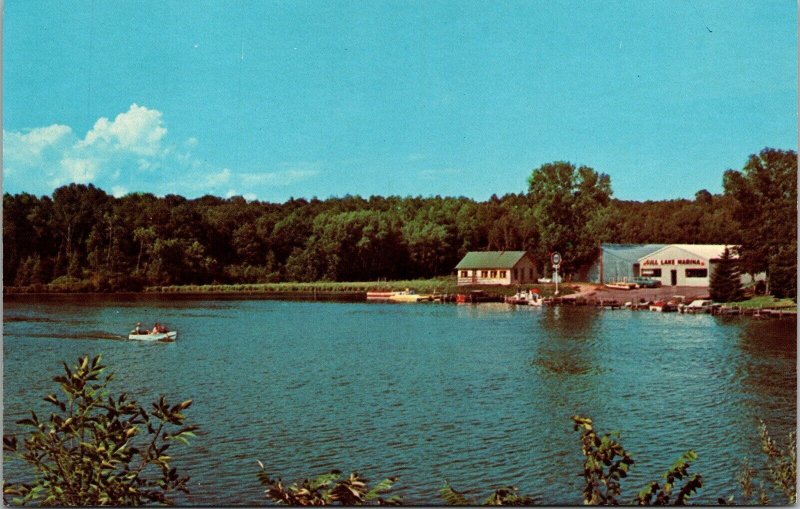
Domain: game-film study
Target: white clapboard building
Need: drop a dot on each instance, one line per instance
(682, 264)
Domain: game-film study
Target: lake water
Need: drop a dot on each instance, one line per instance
(478, 395)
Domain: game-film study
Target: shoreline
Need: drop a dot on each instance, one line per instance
(585, 296)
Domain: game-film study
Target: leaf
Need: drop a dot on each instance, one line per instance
(453, 497)
(382, 487)
(9, 443)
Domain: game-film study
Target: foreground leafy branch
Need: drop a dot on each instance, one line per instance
(656, 494)
(508, 495)
(97, 450)
(607, 463)
(782, 464)
(328, 489)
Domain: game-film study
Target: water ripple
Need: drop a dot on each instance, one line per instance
(478, 395)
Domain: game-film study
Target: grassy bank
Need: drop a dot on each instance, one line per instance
(442, 285)
(765, 302)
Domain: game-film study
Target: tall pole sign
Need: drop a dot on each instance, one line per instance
(556, 259)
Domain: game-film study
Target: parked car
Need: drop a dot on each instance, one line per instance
(645, 282)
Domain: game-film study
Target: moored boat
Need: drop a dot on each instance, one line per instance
(662, 306)
(404, 296)
(696, 306)
(525, 298)
(620, 285)
(535, 300)
(476, 297)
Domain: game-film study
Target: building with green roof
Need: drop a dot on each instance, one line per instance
(496, 268)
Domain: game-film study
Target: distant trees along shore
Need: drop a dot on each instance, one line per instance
(83, 238)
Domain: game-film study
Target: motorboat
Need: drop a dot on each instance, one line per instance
(663, 306)
(476, 297)
(696, 306)
(525, 298)
(404, 296)
(154, 336)
(535, 299)
(620, 285)
(521, 298)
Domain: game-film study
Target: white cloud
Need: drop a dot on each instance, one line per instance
(79, 170)
(278, 178)
(112, 152)
(33, 147)
(131, 152)
(139, 130)
(435, 174)
(218, 179)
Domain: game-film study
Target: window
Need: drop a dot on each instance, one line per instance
(464, 273)
(494, 273)
(484, 273)
(651, 272)
(515, 273)
(502, 274)
(696, 272)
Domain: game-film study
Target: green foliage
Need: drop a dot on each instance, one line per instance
(656, 494)
(328, 489)
(764, 196)
(507, 495)
(781, 463)
(96, 449)
(138, 240)
(725, 282)
(570, 206)
(606, 464)
(747, 475)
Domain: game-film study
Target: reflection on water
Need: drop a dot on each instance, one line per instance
(480, 395)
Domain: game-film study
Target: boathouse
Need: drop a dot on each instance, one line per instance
(671, 264)
(496, 268)
(617, 262)
(682, 264)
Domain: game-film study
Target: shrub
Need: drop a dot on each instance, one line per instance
(607, 463)
(328, 489)
(781, 464)
(507, 495)
(98, 450)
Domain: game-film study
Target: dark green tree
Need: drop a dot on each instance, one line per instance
(569, 204)
(725, 283)
(765, 205)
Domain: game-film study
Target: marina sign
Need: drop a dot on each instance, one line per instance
(674, 262)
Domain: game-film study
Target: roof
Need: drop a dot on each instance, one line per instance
(491, 259)
(705, 251)
(630, 252)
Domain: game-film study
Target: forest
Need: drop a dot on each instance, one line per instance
(82, 237)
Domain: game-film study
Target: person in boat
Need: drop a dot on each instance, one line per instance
(137, 329)
(158, 329)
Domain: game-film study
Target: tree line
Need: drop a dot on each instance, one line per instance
(83, 236)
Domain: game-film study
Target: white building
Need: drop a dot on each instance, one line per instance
(682, 264)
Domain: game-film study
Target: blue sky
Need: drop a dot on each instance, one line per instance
(272, 99)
